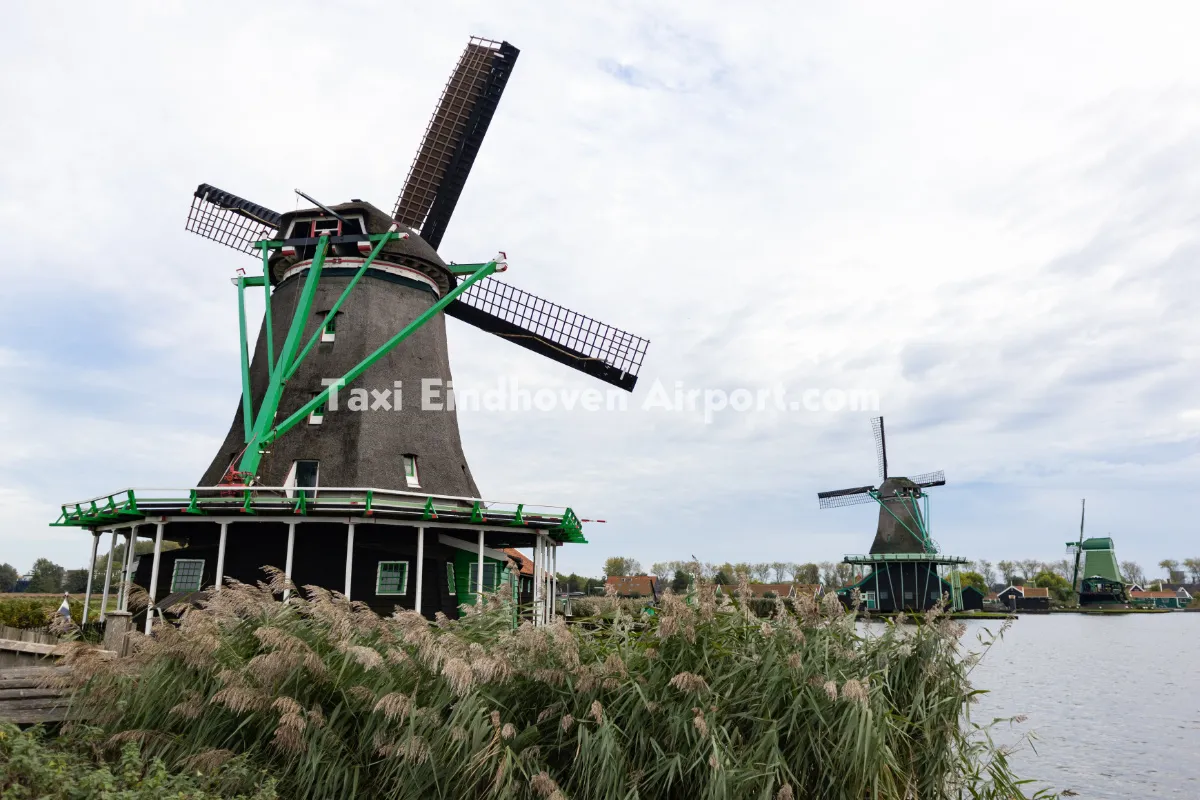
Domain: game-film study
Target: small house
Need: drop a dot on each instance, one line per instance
(1025, 598)
(633, 586)
(1163, 599)
(972, 599)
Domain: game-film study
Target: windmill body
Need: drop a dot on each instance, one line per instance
(336, 470)
(903, 568)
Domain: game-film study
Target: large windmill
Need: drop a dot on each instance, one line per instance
(354, 312)
(904, 558)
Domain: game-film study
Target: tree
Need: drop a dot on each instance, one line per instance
(618, 566)
(1192, 565)
(971, 578)
(984, 568)
(75, 581)
(1029, 567)
(722, 578)
(1060, 587)
(808, 574)
(761, 572)
(1174, 574)
(1133, 572)
(662, 570)
(8, 577)
(781, 569)
(1008, 569)
(1064, 567)
(46, 577)
(681, 582)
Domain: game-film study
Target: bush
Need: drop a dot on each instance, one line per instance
(72, 767)
(701, 699)
(35, 612)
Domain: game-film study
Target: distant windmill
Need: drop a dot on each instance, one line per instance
(904, 556)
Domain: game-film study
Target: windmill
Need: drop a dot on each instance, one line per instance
(1098, 578)
(903, 555)
(338, 390)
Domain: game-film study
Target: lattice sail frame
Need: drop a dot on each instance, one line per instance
(845, 497)
(463, 111)
(880, 446)
(576, 337)
(230, 220)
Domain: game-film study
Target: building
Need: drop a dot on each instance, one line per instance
(1158, 599)
(1025, 598)
(633, 586)
(972, 599)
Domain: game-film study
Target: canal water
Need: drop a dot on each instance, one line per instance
(1114, 701)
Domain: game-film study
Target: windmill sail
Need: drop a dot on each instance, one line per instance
(568, 337)
(880, 446)
(230, 220)
(927, 479)
(845, 497)
(453, 136)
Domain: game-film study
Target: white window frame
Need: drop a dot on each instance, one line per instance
(403, 585)
(289, 484)
(317, 415)
(329, 335)
(414, 480)
(175, 574)
(473, 575)
(869, 600)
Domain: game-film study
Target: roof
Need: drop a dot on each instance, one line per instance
(524, 563)
(777, 589)
(974, 589)
(626, 585)
(1035, 591)
(1153, 595)
(992, 596)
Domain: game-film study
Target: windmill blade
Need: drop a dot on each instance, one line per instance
(230, 220)
(880, 446)
(927, 479)
(562, 335)
(453, 136)
(845, 497)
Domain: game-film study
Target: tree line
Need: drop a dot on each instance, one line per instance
(46, 577)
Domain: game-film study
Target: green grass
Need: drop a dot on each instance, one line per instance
(700, 700)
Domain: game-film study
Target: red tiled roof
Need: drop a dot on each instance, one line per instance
(1035, 591)
(627, 585)
(1153, 595)
(777, 589)
(524, 563)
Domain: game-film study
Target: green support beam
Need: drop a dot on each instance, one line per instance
(247, 401)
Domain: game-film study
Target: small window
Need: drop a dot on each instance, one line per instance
(317, 415)
(410, 472)
(489, 576)
(326, 227)
(187, 575)
(450, 578)
(392, 578)
(329, 327)
(303, 475)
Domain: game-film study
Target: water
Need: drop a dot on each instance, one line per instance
(1114, 701)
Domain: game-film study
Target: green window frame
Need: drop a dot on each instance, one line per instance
(391, 578)
(490, 576)
(187, 575)
(411, 477)
(450, 583)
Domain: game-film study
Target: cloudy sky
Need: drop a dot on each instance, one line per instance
(984, 215)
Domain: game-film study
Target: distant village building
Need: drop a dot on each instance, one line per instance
(1025, 598)
(1158, 599)
(784, 590)
(633, 586)
(972, 598)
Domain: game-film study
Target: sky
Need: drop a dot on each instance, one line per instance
(982, 217)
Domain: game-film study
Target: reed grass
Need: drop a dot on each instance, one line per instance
(702, 699)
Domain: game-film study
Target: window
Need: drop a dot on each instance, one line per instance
(450, 578)
(187, 575)
(317, 415)
(410, 472)
(303, 475)
(392, 578)
(489, 576)
(326, 227)
(329, 327)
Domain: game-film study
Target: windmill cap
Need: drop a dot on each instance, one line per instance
(412, 251)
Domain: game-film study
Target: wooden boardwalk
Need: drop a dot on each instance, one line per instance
(24, 700)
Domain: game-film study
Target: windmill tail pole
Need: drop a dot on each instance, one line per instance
(1079, 547)
(253, 454)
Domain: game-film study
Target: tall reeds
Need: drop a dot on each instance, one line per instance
(701, 699)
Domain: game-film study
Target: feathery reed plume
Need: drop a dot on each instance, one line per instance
(689, 682)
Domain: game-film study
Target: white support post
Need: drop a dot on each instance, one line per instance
(479, 573)
(87, 593)
(553, 580)
(349, 556)
(291, 550)
(420, 568)
(537, 555)
(221, 556)
(130, 543)
(150, 607)
(108, 577)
